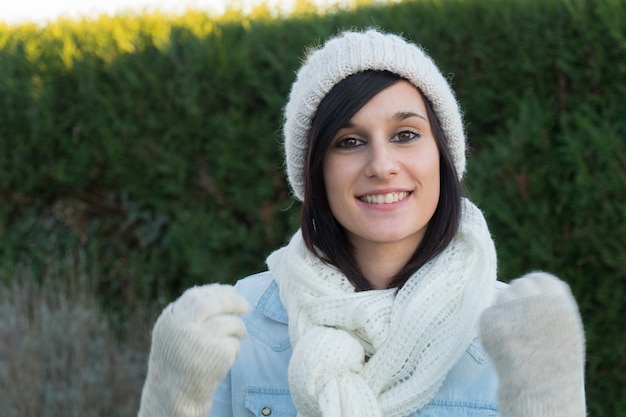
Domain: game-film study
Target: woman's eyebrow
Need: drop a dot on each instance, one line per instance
(403, 115)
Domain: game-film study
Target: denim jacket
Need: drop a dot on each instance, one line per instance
(257, 382)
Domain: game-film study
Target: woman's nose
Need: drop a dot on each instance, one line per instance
(382, 160)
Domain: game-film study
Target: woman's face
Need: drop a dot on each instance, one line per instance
(381, 172)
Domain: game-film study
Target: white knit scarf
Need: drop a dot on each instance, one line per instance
(412, 338)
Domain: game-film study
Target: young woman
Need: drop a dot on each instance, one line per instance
(385, 302)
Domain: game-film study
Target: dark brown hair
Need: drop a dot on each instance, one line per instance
(323, 235)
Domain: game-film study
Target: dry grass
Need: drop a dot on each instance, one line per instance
(60, 355)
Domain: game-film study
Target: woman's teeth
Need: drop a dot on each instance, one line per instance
(384, 198)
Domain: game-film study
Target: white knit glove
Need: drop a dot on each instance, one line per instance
(194, 343)
(534, 335)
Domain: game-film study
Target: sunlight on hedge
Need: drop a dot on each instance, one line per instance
(128, 32)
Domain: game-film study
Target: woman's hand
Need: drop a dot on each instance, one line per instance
(534, 335)
(195, 341)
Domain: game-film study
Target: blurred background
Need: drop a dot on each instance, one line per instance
(140, 154)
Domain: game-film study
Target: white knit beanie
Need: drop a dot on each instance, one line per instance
(347, 54)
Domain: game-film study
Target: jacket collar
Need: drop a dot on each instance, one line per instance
(271, 305)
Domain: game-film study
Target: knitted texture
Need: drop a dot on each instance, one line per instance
(194, 342)
(353, 52)
(412, 338)
(535, 338)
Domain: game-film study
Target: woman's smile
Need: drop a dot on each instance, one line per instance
(384, 198)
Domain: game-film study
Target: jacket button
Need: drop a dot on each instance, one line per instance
(266, 411)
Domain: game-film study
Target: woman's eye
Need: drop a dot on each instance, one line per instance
(348, 143)
(407, 136)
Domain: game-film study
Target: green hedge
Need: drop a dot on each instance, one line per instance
(152, 143)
